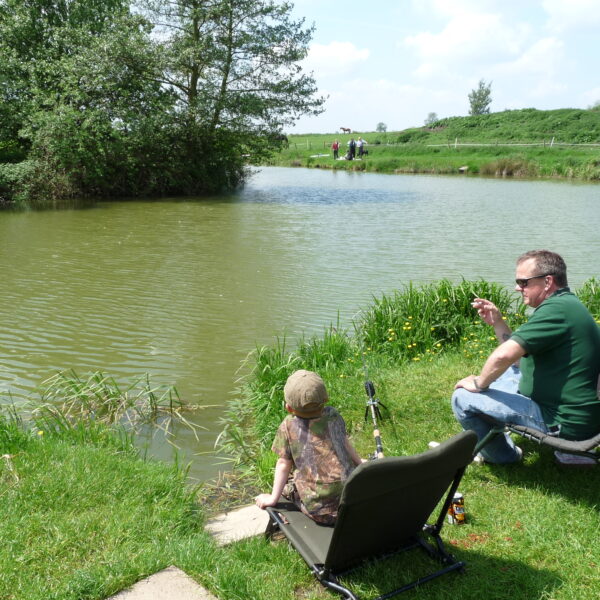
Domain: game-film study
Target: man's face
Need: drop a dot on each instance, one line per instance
(535, 290)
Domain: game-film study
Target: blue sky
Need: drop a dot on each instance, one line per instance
(396, 61)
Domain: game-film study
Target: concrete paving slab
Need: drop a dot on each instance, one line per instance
(238, 524)
(169, 584)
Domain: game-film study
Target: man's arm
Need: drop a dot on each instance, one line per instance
(499, 360)
(490, 314)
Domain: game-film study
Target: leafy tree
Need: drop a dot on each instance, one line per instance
(480, 98)
(234, 65)
(431, 119)
(101, 106)
(81, 83)
(381, 127)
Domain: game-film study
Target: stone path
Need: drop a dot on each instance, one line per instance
(173, 584)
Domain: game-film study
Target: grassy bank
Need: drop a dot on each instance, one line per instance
(522, 143)
(84, 516)
(417, 344)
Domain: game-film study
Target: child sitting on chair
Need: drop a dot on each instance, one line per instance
(313, 442)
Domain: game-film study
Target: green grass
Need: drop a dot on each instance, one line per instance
(83, 516)
(84, 520)
(531, 529)
(432, 149)
(516, 514)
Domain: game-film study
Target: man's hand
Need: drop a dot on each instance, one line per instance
(468, 384)
(488, 311)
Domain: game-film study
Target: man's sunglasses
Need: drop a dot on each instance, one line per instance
(522, 283)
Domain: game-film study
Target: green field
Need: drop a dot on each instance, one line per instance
(562, 143)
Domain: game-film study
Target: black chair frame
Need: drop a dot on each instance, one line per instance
(585, 448)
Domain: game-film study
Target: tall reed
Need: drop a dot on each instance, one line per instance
(420, 321)
(72, 406)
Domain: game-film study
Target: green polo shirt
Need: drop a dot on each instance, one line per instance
(561, 367)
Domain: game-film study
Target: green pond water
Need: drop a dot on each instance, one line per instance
(184, 289)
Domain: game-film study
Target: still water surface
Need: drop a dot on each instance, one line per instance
(183, 290)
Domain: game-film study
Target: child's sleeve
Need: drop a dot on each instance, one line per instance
(281, 443)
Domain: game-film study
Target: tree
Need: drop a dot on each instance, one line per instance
(381, 127)
(104, 100)
(480, 99)
(78, 81)
(431, 119)
(234, 64)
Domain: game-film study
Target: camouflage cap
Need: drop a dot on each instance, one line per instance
(305, 393)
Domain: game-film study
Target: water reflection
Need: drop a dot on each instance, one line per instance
(184, 289)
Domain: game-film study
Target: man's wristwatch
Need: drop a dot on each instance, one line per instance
(479, 389)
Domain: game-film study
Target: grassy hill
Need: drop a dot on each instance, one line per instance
(528, 125)
(561, 145)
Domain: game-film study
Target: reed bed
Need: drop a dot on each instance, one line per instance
(71, 405)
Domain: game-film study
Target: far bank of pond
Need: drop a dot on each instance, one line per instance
(183, 289)
(580, 163)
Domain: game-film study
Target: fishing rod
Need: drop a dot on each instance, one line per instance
(372, 407)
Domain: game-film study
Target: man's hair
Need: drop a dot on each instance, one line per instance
(547, 263)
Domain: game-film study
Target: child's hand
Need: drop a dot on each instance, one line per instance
(264, 500)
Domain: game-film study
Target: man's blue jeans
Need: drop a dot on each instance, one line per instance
(504, 404)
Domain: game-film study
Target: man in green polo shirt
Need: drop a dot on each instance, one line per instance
(545, 374)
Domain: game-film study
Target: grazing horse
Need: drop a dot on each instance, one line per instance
(346, 129)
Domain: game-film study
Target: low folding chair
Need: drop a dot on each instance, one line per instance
(585, 448)
(384, 509)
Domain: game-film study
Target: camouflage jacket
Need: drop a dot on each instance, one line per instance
(320, 459)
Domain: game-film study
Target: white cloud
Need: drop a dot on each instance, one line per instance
(590, 97)
(397, 105)
(538, 72)
(467, 40)
(572, 14)
(335, 58)
(545, 58)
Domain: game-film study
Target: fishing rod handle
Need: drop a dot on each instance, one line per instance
(378, 444)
